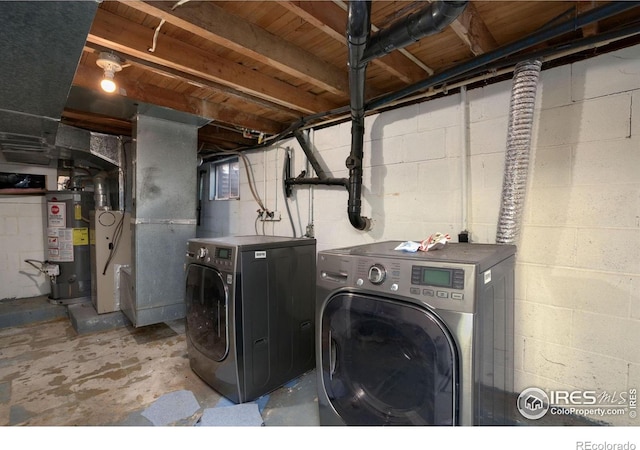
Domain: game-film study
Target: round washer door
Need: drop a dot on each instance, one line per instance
(386, 362)
(206, 302)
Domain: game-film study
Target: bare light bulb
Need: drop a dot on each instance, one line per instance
(111, 64)
(108, 85)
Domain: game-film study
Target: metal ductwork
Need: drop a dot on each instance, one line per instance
(88, 149)
(42, 43)
(77, 144)
(363, 48)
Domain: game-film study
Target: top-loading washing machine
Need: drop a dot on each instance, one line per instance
(250, 304)
(421, 338)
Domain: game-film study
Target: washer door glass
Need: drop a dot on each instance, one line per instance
(206, 302)
(385, 362)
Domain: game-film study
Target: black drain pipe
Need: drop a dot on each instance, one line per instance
(358, 31)
(363, 48)
(322, 177)
(433, 18)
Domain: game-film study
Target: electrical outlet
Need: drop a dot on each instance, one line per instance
(271, 216)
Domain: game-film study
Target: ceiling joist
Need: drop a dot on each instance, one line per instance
(472, 30)
(128, 38)
(256, 68)
(212, 23)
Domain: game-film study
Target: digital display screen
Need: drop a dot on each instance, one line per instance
(223, 253)
(436, 277)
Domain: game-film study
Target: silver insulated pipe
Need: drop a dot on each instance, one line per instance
(101, 195)
(516, 168)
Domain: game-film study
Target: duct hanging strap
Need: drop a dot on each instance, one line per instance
(523, 99)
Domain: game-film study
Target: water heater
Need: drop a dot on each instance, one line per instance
(67, 243)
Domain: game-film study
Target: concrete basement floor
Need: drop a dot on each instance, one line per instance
(52, 376)
(56, 383)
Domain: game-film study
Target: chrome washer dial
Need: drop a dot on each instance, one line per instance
(377, 274)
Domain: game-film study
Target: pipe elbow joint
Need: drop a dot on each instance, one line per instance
(352, 162)
(360, 222)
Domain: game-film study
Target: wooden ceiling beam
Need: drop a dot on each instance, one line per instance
(221, 137)
(593, 28)
(200, 83)
(470, 27)
(214, 24)
(129, 38)
(88, 76)
(96, 122)
(332, 20)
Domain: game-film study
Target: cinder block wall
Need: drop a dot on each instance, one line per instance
(22, 237)
(578, 270)
(579, 297)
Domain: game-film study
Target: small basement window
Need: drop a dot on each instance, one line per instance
(225, 180)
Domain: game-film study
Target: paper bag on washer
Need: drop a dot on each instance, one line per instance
(434, 242)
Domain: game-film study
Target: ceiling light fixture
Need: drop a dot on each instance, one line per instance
(111, 64)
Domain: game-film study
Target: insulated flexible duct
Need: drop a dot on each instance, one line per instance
(516, 168)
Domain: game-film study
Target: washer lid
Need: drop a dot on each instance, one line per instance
(485, 255)
(255, 242)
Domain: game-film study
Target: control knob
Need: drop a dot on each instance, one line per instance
(202, 253)
(377, 274)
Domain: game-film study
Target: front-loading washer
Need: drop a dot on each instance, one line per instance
(250, 312)
(421, 338)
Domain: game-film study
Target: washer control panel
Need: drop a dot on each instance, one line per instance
(450, 279)
(438, 284)
(211, 255)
